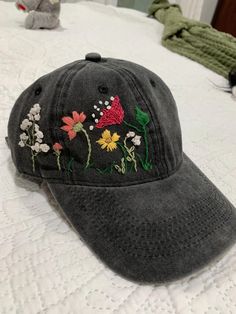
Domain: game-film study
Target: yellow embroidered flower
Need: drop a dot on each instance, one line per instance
(108, 141)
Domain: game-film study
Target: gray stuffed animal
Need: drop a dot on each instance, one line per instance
(42, 13)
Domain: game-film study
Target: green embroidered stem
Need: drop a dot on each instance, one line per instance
(124, 153)
(131, 154)
(58, 162)
(132, 126)
(89, 147)
(109, 169)
(33, 160)
(121, 168)
(146, 143)
(29, 135)
(32, 132)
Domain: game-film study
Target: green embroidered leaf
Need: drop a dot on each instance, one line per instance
(147, 165)
(142, 117)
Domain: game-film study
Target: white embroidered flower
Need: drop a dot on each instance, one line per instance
(130, 134)
(136, 140)
(25, 124)
(32, 112)
(35, 109)
(37, 117)
(36, 127)
(30, 116)
(21, 144)
(39, 134)
(24, 137)
(44, 148)
(37, 106)
(40, 147)
(36, 147)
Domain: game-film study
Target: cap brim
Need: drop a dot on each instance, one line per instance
(156, 231)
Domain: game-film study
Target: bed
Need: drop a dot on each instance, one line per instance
(45, 267)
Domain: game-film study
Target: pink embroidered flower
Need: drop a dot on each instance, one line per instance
(73, 124)
(114, 115)
(57, 151)
(57, 147)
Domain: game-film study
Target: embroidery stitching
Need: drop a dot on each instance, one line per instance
(129, 153)
(108, 141)
(143, 119)
(74, 125)
(111, 114)
(32, 137)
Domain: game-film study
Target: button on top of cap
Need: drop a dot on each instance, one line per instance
(93, 56)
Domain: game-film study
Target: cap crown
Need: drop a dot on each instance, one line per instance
(110, 122)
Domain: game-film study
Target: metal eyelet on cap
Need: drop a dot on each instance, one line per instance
(38, 91)
(103, 89)
(152, 83)
(93, 56)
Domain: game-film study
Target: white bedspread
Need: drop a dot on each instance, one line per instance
(44, 265)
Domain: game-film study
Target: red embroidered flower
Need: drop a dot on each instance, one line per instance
(57, 147)
(74, 124)
(115, 115)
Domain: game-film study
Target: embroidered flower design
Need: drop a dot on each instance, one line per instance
(111, 115)
(25, 124)
(108, 141)
(136, 139)
(130, 134)
(130, 157)
(57, 147)
(32, 137)
(129, 154)
(74, 125)
(133, 139)
(40, 148)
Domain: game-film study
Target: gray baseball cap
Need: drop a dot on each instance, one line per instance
(104, 134)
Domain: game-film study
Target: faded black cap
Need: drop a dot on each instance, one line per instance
(105, 136)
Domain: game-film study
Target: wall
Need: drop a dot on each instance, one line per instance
(202, 10)
(141, 5)
(208, 10)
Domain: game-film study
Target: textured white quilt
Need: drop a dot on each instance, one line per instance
(44, 265)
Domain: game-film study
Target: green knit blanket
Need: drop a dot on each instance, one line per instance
(195, 40)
